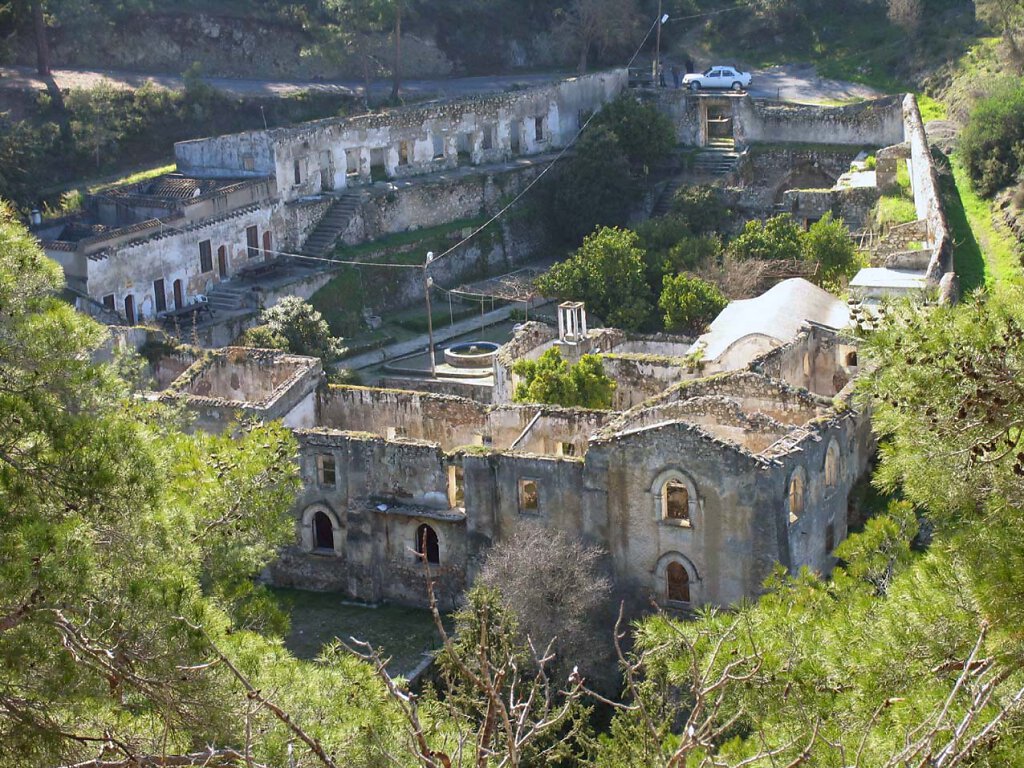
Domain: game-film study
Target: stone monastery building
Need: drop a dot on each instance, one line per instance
(722, 457)
(695, 493)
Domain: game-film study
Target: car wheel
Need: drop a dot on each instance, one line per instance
(694, 86)
(737, 86)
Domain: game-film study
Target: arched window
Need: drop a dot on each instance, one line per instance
(676, 498)
(832, 465)
(796, 495)
(678, 583)
(427, 546)
(676, 501)
(323, 532)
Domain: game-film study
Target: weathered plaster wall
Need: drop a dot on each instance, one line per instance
(924, 180)
(876, 123)
(734, 538)
(173, 255)
(336, 153)
(767, 171)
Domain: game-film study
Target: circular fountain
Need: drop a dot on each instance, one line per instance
(471, 354)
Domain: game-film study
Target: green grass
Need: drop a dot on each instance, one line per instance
(892, 210)
(985, 252)
(317, 618)
(429, 238)
(930, 108)
(133, 178)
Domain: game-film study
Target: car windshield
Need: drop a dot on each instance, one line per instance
(708, 72)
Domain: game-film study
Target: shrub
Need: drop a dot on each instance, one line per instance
(690, 303)
(644, 133)
(772, 240)
(992, 142)
(302, 329)
(607, 273)
(702, 208)
(552, 380)
(828, 243)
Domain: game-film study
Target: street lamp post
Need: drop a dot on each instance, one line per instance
(662, 18)
(428, 282)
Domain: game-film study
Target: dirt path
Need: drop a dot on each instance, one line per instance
(790, 82)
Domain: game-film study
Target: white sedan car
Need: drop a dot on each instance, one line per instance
(718, 77)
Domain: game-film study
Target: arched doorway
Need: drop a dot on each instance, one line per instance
(323, 532)
(427, 546)
(678, 583)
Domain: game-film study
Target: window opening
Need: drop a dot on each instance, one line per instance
(678, 583)
(427, 546)
(327, 470)
(676, 501)
(529, 496)
(252, 242)
(205, 256)
(796, 497)
(159, 295)
(323, 532)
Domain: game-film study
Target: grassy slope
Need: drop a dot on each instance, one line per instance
(986, 252)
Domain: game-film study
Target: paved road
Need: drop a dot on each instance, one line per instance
(790, 82)
(26, 78)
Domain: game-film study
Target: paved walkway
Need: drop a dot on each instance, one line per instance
(421, 343)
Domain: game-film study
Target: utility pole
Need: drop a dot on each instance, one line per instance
(427, 283)
(657, 47)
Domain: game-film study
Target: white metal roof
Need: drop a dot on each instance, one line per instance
(777, 313)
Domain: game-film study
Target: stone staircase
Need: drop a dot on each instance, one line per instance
(717, 159)
(664, 203)
(230, 297)
(321, 241)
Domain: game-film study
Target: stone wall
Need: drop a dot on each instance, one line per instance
(638, 377)
(446, 420)
(852, 205)
(876, 123)
(924, 181)
(766, 172)
(337, 153)
(818, 360)
(173, 254)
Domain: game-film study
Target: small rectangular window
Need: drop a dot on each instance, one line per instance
(327, 474)
(566, 449)
(539, 129)
(248, 163)
(487, 140)
(252, 241)
(404, 152)
(529, 497)
(205, 256)
(108, 301)
(297, 167)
